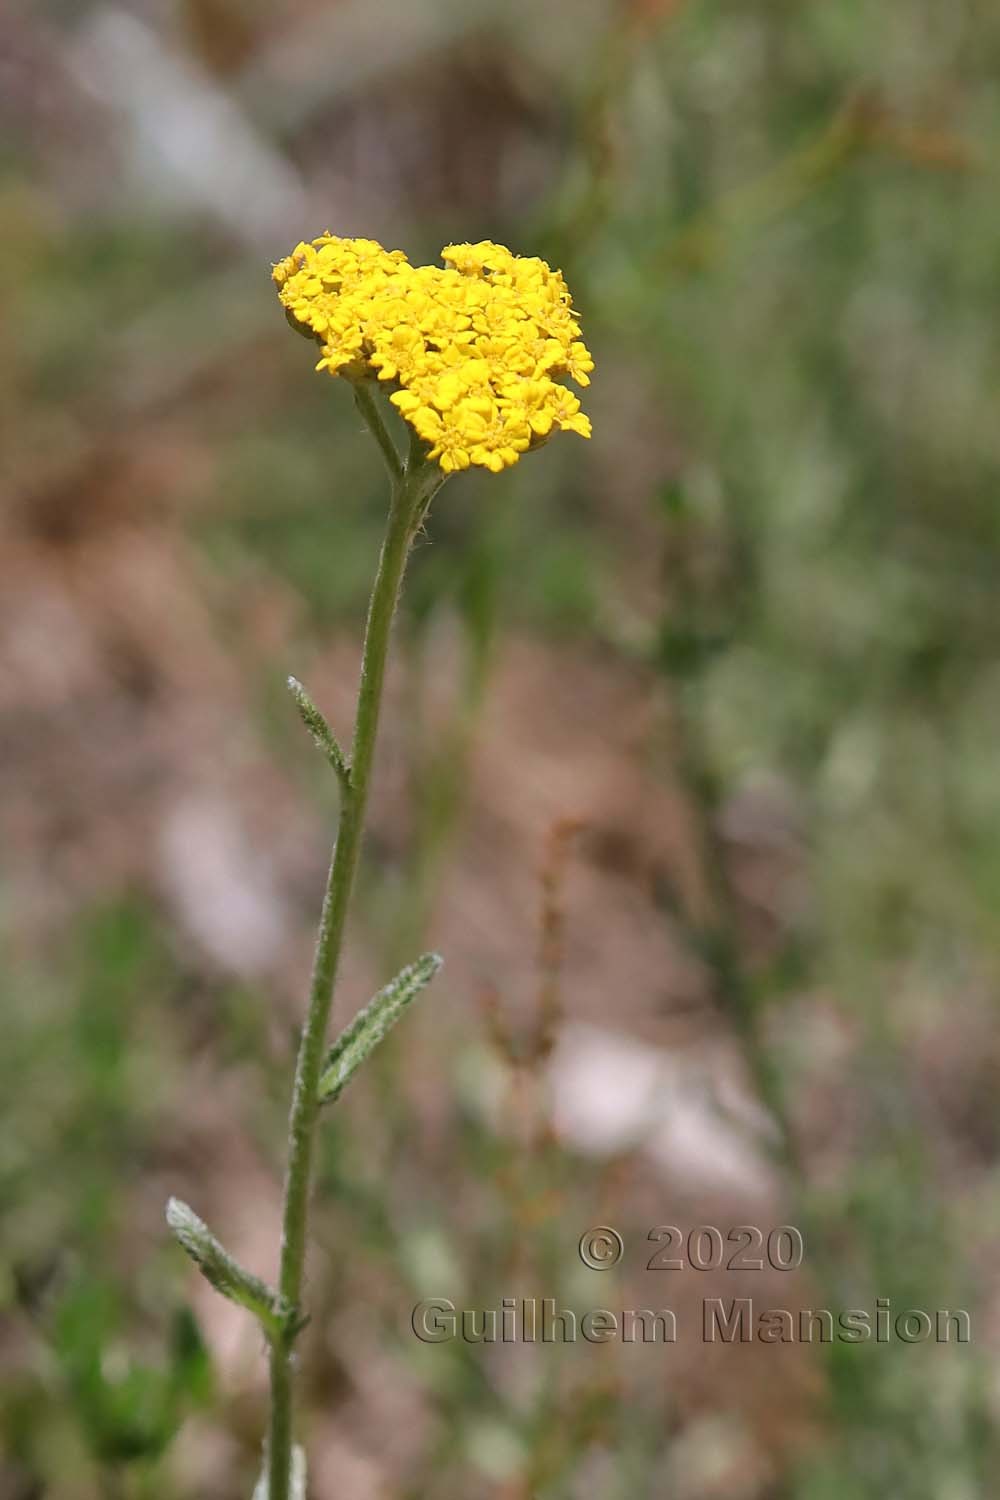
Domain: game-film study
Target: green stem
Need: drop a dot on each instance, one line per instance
(279, 1442)
(411, 491)
(369, 409)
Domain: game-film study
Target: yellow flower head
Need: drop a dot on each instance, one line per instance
(472, 351)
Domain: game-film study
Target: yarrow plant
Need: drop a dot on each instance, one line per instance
(471, 355)
(472, 351)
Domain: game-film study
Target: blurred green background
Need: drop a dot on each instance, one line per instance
(689, 765)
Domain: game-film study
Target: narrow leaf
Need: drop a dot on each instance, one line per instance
(370, 1025)
(297, 1488)
(220, 1269)
(320, 731)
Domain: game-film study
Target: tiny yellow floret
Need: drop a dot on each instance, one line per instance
(472, 352)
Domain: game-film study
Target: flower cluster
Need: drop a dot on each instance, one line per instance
(472, 351)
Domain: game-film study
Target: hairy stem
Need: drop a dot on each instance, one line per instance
(368, 406)
(411, 489)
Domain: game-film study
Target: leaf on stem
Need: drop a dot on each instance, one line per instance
(370, 1025)
(320, 731)
(220, 1269)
